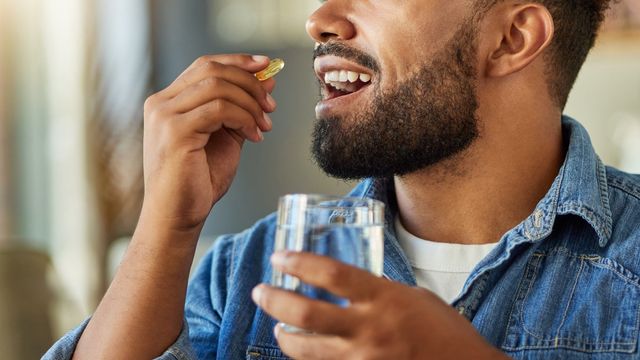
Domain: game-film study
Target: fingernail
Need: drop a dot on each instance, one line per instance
(267, 119)
(271, 101)
(256, 294)
(277, 329)
(279, 258)
(260, 58)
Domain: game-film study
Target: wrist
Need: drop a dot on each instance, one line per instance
(164, 232)
(157, 214)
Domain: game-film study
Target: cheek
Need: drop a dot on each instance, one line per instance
(409, 35)
(388, 34)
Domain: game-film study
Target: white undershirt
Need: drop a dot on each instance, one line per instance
(440, 267)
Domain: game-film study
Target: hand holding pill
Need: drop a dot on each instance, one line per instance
(194, 131)
(274, 67)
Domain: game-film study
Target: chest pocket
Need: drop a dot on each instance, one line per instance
(265, 353)
(576, 302)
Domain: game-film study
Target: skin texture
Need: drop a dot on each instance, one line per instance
(194, 131)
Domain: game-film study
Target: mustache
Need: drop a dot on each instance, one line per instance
(346, 52)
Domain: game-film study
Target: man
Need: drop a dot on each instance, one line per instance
(455, 122)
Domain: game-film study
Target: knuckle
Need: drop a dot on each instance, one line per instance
(249, 131)
(333, 275)
(244, 58)
(150, 103)
(266, 301)
(212, 67)
(294, 263)
(211, 82)
(259, 92)
(154, 115)
(305, 316)
(256, 111)
(202, 60)
(218, 106)
(207, 111)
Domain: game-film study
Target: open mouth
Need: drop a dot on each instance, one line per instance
(344, 82)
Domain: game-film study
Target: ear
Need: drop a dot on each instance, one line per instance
(526, 31)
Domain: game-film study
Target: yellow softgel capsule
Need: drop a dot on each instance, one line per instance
(270, 71)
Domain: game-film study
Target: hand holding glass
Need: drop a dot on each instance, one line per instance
(350, 230)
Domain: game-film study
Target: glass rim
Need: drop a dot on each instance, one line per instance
(318, 198)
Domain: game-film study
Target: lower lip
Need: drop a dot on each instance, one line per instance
(342, 103)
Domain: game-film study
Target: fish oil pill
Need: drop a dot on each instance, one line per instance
(270, 71)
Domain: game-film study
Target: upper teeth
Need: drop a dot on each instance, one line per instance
(340, 79)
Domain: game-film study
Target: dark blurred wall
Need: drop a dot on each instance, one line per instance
(282, 163)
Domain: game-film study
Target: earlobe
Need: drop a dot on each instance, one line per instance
(527, 32)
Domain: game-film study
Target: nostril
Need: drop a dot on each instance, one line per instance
(326, 24)
(328, 35)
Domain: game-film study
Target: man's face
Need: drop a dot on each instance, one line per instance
(408, 100)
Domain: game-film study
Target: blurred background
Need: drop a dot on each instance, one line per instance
(73, 77)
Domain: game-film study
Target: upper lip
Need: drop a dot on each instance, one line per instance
(327, 63)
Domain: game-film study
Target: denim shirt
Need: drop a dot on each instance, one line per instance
(563, 284)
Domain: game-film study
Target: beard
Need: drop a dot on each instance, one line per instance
(419, 123)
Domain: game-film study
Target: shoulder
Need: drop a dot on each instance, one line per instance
(623, 190)
(253, 244)
(625, 184)
(233, 261)
(624, 198)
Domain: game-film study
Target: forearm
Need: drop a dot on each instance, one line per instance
(190, 159)
(141, 314)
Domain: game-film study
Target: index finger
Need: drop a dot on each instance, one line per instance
(248, 63)
(334, 276)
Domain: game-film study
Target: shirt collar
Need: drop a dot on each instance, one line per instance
(396, 263)
(583, 188)
(579, 189)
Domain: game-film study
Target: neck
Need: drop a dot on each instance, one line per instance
(477, 196)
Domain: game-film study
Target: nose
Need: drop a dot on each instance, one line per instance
(330, 23)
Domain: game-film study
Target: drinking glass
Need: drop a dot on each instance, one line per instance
(350, 230)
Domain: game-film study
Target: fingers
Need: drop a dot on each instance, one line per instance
(250, 63)
(210, 89)
(219, 91)
(229, 115)
(314, 315)
(302, 346)
(334, 276)
(235, 69)
(247, 62)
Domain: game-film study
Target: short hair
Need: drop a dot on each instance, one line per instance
(576, 27)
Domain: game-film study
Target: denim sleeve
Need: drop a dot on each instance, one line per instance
(63, 349)
(207, 297)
